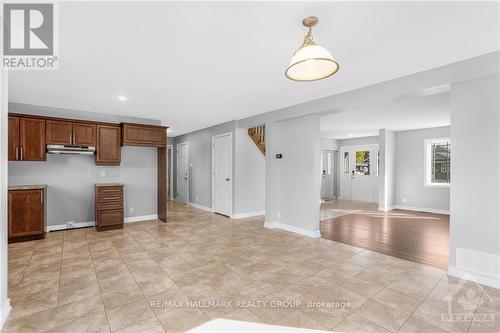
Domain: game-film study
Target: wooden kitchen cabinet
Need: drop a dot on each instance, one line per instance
(109, 206)
(108, 149)
(26, 139)
(84, 134)
(60, 132)
(143, 135)
(13, 139)
(26, 214)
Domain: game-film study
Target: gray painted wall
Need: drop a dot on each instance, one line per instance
(250, 175)
(200, 162)
(410, 170)
(293, 183)
(71, 178)
(475, 188)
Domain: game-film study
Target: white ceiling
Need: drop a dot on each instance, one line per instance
(396, 115)
(193, 65)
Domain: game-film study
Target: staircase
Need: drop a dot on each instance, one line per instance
(258, 136)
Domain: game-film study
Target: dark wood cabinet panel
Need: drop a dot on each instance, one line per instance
(26, 214)
(108, 149)
(108, 218)
(13, 138)
(109, 207)
(32, 139)
(59, 132)
(84, 134)
(143, 135)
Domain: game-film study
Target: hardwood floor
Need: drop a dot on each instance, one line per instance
(416, 236)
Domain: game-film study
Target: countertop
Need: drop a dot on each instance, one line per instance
(28, 187)
(108, 184)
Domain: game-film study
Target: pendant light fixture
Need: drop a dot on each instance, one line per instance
(311, 62)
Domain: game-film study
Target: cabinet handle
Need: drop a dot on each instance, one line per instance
(21, 153)
(17, 153)
(70, 138)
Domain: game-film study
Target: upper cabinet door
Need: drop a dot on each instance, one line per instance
(143, 135)
(84, 134)
(13, 138)
(59, 132)
(108, 149)
(32, 139)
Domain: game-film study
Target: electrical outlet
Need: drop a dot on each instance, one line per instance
(405, 200)
(196, 199)
(103, 174)
(70, 224)
(131, 210)
(278, 214)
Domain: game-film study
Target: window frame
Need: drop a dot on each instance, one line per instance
(427, 162)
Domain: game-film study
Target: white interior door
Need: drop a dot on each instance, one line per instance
(360, 173)
(222, 173)
(183, 172)
(327, 173)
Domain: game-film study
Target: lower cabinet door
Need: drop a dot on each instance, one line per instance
(25, 213)
(109, 217)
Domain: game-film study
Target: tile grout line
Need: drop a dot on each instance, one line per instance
(98, 285)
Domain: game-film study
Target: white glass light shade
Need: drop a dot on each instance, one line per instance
(311, 62)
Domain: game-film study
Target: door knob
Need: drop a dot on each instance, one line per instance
(227, 179)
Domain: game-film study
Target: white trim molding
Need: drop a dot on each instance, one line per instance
(421, 209)
(205, 208)
(4, 311)
(477, 266)
(246, 215)
(141, 218)
(464, 275)
(77, 225)
(291, 228)
(385, 209)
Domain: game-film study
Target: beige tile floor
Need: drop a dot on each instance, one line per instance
(127, 281)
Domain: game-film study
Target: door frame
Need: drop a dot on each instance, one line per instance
(177, 170)
(230, 134)
(170, 167)
(341, 163)
(333, 150)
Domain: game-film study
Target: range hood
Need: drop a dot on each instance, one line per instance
(74, 150)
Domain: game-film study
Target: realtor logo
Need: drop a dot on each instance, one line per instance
(29, 36)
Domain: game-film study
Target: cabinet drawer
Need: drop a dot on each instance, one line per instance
(109, 205)
(109, 194)
(109, 217)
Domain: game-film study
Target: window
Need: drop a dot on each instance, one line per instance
(346, 163)
(437, 162)
(363, 163)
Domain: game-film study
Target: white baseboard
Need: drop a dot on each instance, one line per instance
(205, 208)
(58, 227)
(246, 215)
(476, 266)
(297, 230)
(141, 218)
(462, 274)
(382, 209)
(420, 209)
(4, 311)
